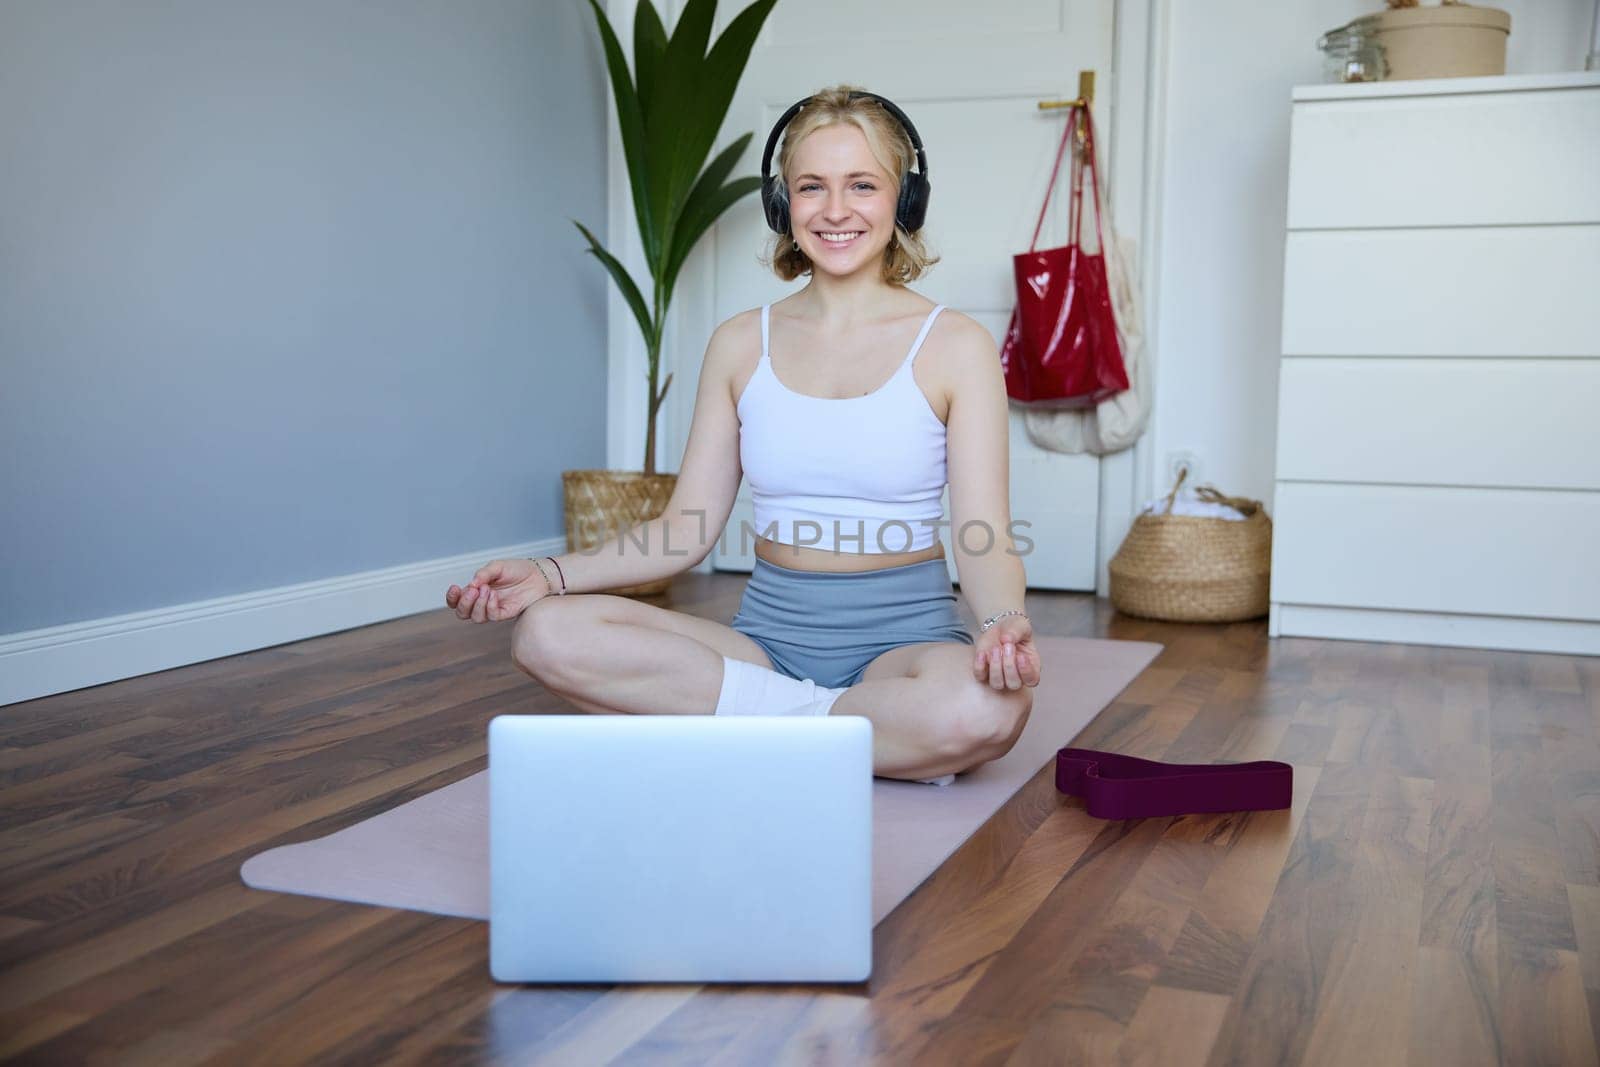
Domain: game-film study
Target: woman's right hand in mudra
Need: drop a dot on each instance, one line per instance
(500, 590)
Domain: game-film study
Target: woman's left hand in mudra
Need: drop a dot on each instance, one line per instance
(1005, 657)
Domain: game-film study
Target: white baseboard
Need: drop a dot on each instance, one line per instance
(59, 659)
(1575, 637)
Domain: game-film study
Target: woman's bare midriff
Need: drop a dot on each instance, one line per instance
(808, 558)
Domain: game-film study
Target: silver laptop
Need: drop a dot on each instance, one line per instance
(680, 848)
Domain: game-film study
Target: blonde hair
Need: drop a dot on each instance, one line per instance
(906, 258)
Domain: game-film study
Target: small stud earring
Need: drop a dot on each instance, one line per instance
(796, 245)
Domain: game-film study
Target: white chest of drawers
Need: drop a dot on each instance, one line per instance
(1438, 440)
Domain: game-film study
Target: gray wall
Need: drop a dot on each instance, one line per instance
(288, 290)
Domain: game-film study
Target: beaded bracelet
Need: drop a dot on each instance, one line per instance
(547, 583)
(991, 620)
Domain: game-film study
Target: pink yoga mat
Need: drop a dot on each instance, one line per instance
(432, 853)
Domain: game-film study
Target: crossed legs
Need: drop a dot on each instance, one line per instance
(612, 654)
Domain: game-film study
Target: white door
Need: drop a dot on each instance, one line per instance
(970, 77)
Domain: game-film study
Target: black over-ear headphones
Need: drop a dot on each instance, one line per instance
(912, 208)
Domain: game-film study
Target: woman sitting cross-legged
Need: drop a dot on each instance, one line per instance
(849, 405)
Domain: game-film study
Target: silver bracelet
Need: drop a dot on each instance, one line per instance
(991, 620)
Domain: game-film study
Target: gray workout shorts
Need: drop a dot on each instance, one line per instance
(829, 626)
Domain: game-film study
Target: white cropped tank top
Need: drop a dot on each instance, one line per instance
(853, 474)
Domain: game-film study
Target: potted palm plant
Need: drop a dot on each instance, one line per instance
(669, 111)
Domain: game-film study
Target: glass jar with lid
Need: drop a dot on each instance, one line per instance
(1351, 53)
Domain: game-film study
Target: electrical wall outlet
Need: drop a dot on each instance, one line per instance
(1180, 460)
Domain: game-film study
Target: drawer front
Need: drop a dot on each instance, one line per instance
(1410, 548)
(1532, 423)
(1513, 291)
(1472, 159)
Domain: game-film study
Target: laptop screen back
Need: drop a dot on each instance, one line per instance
(660, 848)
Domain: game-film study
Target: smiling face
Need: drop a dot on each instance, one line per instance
(839, 188)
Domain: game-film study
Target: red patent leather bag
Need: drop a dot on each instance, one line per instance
(1061, 349)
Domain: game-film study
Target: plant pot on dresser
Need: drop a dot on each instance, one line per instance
(1438, 439)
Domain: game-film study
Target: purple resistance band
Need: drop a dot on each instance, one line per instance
(1115, 786)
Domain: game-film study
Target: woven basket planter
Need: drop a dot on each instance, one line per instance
(1195, 568)
(602, 503)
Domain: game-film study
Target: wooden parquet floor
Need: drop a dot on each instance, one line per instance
(1432, 897)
